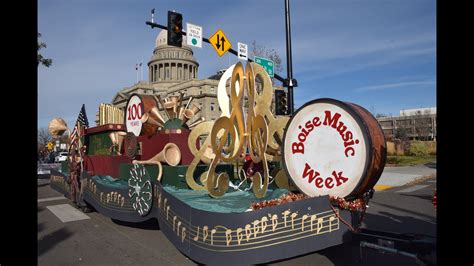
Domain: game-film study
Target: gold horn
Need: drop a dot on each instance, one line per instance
(113, 137)
(117, 139)
(170, 155)
(158, 99)
(154, 111)
(181, 113)
(146, 118)
(195, 109)
(187, 115)
(189, 101)
(120, 137)
(197, 122)
(57, 127)
(170, 107)
(174, 99)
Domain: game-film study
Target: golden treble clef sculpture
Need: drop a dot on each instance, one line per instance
(259, 132)
(252, 135)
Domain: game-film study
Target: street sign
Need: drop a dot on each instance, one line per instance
(50, 146)
(220, 42)
(194, 35)
(266, 64)
(242, 51)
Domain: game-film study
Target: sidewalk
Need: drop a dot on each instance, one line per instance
(399, 176)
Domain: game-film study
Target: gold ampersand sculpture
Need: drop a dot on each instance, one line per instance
(259, 133)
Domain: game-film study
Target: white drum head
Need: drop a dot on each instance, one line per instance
(325, 149)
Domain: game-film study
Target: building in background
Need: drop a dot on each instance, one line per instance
(174, 70)
(413, 124)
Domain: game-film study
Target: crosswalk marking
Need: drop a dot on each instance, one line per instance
(51, 199)
(67, 213)
(413, 188)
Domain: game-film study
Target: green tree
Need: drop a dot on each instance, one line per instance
(41, 60)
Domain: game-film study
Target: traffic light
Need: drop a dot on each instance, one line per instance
(175, 27)
(281, 102)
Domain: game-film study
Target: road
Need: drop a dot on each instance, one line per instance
(94, 239)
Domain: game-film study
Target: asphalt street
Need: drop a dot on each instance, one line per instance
(94, 239)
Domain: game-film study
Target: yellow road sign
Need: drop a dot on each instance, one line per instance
(50, 146)
(220, 42)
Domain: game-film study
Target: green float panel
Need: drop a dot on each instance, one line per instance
(99, 144)
(175, 175)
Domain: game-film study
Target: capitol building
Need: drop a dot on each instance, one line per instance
(174, 70)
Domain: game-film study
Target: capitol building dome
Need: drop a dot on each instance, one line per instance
(170, 64)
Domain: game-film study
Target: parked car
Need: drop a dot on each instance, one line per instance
(61, 157)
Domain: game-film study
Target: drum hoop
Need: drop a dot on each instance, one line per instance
(384, 151)
(359, 120)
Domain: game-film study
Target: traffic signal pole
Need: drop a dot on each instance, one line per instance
(289, 82)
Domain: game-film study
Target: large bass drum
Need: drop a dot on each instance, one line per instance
(137, 106)
(334, 148)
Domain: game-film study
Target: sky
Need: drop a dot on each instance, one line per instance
(380, 54)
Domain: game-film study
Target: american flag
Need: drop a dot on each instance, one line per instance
(81, 123)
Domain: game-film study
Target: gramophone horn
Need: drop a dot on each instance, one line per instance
(154, 111)
(57, 127)
(197, 122)
(170, 155)
(195, 109)
(187, 115)
(171, 108)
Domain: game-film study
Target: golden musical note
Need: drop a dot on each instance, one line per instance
(332, 218)
(205, 233)
(239, 235)
(213, 231)
(183, 234)
(319, 225)
(197, 235)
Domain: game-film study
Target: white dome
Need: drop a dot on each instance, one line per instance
(162, 39)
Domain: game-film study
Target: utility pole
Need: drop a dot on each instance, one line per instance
(289, 82)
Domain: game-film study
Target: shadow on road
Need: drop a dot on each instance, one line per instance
(151, 224)
(431, 165)
(51, 240)
(425, 197)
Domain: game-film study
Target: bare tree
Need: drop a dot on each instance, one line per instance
(43, 137)
(422, 124)
(262, 51)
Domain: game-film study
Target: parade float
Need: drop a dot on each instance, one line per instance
(249, 187)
